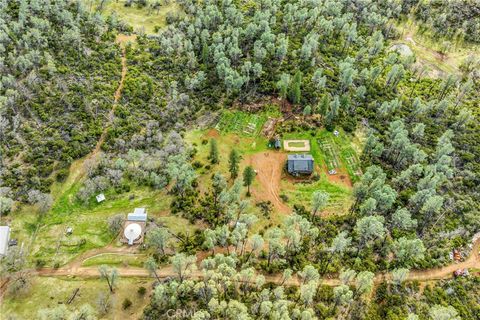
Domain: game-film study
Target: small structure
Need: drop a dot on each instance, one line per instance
(336, 133)
(4, 239)
(134, 227)
(296, 145)
(100, 197)
(132, 232)
(300, 164)
(139, 214)
(277, 143)
(69, 231)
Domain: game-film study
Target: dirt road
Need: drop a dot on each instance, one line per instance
(269, 167)
(116, 98)
(75, 269)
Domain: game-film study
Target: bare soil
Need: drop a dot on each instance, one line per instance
(269, 167)
(341, 177)
(213, 133)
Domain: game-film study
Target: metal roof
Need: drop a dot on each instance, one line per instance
(300, 157)
(4, 237)
(139, 214)
(300, 163)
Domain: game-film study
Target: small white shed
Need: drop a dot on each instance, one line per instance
(4, 238)
(100, 197)
(139, 214)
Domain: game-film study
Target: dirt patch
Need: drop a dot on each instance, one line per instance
(340, 177)
(213, 133)
(124, 38)
(269, 167)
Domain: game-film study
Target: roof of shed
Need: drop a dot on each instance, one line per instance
(4, 237)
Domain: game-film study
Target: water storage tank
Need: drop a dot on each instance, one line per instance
(132, 232)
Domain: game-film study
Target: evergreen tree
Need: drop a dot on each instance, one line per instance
(213, 156)
(248, 177)
(295, 88)
(233, 163)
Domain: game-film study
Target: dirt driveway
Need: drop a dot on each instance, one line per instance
(269, 167)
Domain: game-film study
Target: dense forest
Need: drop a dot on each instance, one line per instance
(331, 65)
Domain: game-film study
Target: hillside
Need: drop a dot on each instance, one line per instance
(239, 159)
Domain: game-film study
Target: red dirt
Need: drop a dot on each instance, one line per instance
(340, 177)
(269, 166)
(213, 133)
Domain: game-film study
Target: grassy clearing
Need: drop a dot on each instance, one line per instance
(245, 145)
(298, 193)
(301, 193)
(49, 243)
(141, 19)
(112, 259)
(49, 292)
(340, 149)
(89, 222)
(244, 123)
(427, 49)
(332, 152)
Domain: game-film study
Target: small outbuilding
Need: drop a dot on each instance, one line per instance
(4, 239)
(100, 197)
(277, 143)
(134, 227)
(300, 164)
(138, 214)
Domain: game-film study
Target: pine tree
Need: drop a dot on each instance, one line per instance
(213, 156)
(248, 177)
(233, 163)
(295, 90)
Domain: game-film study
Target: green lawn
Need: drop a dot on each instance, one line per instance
(332, 152)
(301, 193)
(139, 18)
(112, 259)
(244, 123)
(50, 292)
(49, 243)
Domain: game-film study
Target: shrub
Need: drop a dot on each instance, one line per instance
(39, 263)
(141, 291)
(62, 175)
(126, 304)
(197, 164)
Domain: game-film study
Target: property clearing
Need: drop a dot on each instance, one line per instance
(143, 19)
(296, 145)
(269, 167)
(428, 52)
